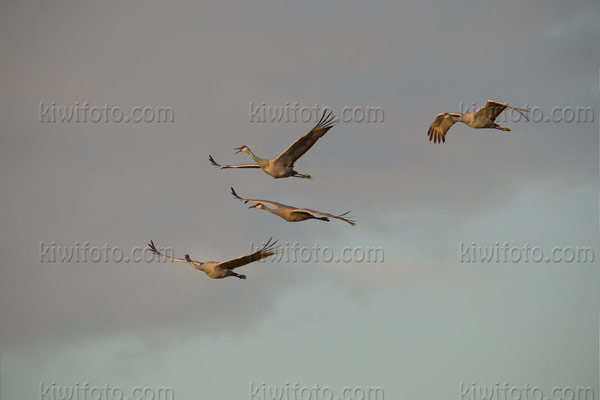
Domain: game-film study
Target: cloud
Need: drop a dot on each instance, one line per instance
(126, 184)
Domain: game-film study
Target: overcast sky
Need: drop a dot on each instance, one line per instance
(417, 324)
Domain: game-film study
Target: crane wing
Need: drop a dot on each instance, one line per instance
(155, 251)
(304, 143)
(327, 215)
(264, 252)
(272, 203)
(492, 109)
(439, 127)
(216, 164)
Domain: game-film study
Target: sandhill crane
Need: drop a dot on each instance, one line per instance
(223, 269)
(485, 117)
(283, 165)
(292, 214)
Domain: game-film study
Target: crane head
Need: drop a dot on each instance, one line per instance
(187, 257)
(257, 205)
(243, 148)
(445, 114)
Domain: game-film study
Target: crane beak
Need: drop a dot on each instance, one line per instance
(239, 149)
(254, 206)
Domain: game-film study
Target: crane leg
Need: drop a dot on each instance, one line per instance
(238, 275)
(303, 176)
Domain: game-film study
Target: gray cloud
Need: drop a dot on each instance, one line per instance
(125, 184)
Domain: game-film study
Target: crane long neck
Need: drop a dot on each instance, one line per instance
(460, 117)
(195, 264)
(271, 210)
(254, 157)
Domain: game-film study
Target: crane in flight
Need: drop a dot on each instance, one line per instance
(283, 165)
(223, 269)
(485, 117)
(292, 214)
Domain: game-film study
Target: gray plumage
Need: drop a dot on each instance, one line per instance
(223, 269)
(283, 165)
(485, 117)
(292, 214)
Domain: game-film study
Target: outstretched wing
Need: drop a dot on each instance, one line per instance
(439, 127)
(492, 109)
(327, 215)
(155, 251)
(216, 164)
(303, 144)
(272, 203)
(266, 251)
